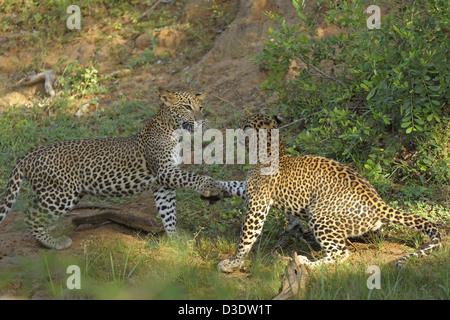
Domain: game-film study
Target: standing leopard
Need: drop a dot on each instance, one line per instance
(60, 174)
(335, 200)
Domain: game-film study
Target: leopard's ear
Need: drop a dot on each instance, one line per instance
(201, 96)
(278, 119)
(167, 97)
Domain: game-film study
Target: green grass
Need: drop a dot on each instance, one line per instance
(185, 268)
(148, 268)
(418, 280)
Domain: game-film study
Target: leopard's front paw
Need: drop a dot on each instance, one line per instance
(211, 189)
(211, 200)
(230, 265)
(60, 243)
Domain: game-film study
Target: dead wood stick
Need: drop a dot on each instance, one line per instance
(152, 8)
(294, 280)
(318, 70)
(225, 100)
(21, 34)
(120, 218)
(46, 76)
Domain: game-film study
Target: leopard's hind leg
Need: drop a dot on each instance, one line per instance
(45, 210)
(331, 240)
(39, 218)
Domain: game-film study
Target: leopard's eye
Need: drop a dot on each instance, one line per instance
(188, 107)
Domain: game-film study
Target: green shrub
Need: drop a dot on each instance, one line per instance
(80, 81)
(364, 93)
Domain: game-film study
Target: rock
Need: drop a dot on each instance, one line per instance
(143, 41)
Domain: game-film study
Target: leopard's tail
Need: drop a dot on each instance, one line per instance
(418, 223)
(12, 190)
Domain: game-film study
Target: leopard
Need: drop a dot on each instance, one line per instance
(62, 173)
(334, 200)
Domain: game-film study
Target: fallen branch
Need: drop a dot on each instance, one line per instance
(225, 100)
(294, 280)
(46, 76)
(152, 8)
(120, 218)
(290, 124)
(21, 34)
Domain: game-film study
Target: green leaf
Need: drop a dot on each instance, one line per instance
(419, 89)
(364, 86)
(435, 102)
(433, 88)
(396, 29)
(419, 121)
(408, 131)
(371, 93)
(406, 124)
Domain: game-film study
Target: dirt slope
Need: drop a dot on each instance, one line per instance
(225, 72)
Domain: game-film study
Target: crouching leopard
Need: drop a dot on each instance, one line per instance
(60, 174)
(334, 199)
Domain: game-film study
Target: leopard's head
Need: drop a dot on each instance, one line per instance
(186, 108)
(261, 132)
(257, 123)
(261, 121)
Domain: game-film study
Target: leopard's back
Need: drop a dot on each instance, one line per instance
(105, 167)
